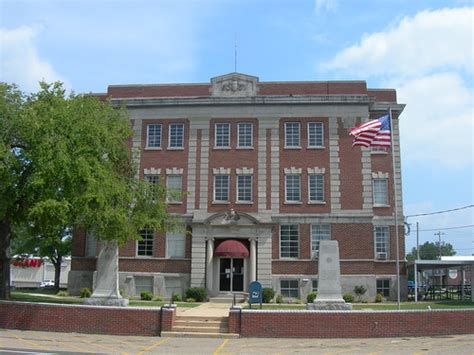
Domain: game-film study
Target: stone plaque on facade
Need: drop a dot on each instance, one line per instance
(234, 85)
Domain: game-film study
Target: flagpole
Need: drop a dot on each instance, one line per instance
(395, 205)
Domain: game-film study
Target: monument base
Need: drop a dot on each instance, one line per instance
(329, 306)
(106, 301)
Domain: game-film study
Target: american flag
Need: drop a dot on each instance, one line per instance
(375, 133)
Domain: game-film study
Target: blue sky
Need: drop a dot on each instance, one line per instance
(422, 48)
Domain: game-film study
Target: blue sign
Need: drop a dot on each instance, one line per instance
(255, 292)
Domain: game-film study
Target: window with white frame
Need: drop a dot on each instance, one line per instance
(381, 243)
(153, 179)
(292, 188)
(383, 287)
(143, 284)
(319, 232)
(91, 245)
(145, 245)
(174, 188)
(221, 188)
(382, 150)
(244, 188)
(380, 192)
(222, 135)
(289, 288)
(315, 135)
(289, 241)
(176, 135)
(244, 135)
(153, 136)
(292, 135)
(175, 245)
(316, 187)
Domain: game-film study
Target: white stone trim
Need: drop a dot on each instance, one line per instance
(316, 170)
(244, 171)
(335, 171)
(174, 171)
(221, 171)
(152, 171)
(379, 175)
(293, 171)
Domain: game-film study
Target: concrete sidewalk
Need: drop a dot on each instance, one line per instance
(208, 309)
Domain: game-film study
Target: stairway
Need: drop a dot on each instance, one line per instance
(200, 327)
(228, 298)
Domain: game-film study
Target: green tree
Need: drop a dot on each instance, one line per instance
(64, 161)
(431, 251)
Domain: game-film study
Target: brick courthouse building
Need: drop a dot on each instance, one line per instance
(267, 171)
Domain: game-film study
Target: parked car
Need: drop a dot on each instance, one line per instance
(47, 283)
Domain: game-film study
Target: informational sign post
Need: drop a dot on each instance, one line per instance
(255, 293)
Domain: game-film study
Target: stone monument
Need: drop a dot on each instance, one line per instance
(329, 280)
(106, 291)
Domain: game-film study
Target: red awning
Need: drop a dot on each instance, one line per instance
(232, 248)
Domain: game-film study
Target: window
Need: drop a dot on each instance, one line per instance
(91, 245)
(244, 188)
(175, 245)
(289, 288)
(292, 188)
(221, 188)
(289, 241)
(153, 179)
(145, 245)
(176, 135)
(315, 135)
(292, 135)
(153, 136)
(245, 135)
(381, 192)
(316, 187)
(381, 243)
(314, 286)
(383, 287)
(318, 232)
(143, 283)
(222, 135)
(378, 149)
(174, 188)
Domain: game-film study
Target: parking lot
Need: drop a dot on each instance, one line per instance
(16, 341)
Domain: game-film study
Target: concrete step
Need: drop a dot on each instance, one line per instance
(200, 335)
(196, 323)
(202, 319)
(192, 329)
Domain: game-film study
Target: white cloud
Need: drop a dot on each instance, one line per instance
(325, 5)
(415, 46)
(20, 62)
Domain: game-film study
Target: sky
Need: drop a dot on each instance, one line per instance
(424, 49)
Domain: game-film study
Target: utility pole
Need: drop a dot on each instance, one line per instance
(439, 234)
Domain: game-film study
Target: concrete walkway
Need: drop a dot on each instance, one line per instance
(208, 309)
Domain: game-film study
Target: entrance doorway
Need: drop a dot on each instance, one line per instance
(231, 274)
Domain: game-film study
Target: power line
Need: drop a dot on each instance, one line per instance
(438, 212)
(447, 228)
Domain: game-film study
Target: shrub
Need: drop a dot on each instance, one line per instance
(62, 294)
(199, 294)
(311, 297)
(146, 296)
(348, 297)
(379, 298)
(359, 292)
(190, 300)
(158, 299)
(267, 294)
(85, 292)
(279, 299)
(176, 298)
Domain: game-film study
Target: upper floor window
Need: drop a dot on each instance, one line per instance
(289, 241)
(380, 192)
(153, 179)
(145, 245)
(222, 135)
(382, 150)
(244, 188)
(175, 245)
(318, 232)
(176, 135)
(292, 188)
(315, 135)
(381, 243)
(174, 188)
(292, 135)
(316, 187)
(244, 135)
(221, 188)
(153, 136)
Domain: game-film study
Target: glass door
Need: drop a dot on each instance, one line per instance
(231, 274)
(225, 274)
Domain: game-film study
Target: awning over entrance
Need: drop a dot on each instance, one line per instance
(232, 248)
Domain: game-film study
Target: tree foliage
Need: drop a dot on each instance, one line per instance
(65, 163)
(431, 251)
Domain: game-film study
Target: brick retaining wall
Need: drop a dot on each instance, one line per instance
(80, 319)
(350, 324)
